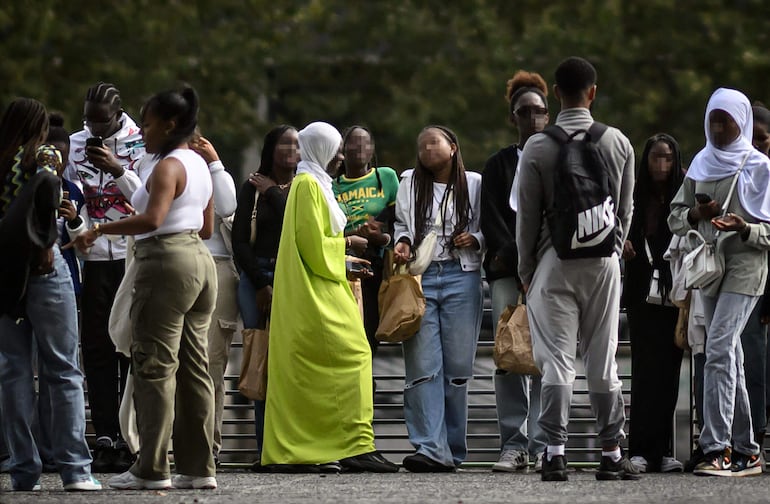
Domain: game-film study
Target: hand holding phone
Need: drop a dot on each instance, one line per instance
(702, 198)
(358, 268)
(95, 141)
(706, 208)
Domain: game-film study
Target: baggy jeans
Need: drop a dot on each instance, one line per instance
(725, 398)
(52, 326)
(439, 362)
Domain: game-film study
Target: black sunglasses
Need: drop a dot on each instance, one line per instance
(528, 111)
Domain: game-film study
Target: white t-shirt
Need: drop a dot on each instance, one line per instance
(514, 199)
(442, 252)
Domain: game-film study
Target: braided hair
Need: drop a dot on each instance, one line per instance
(422, 186)
(104, 92)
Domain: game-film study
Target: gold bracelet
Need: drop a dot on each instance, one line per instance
(97, 229)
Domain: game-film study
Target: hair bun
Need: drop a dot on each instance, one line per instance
(55, 120)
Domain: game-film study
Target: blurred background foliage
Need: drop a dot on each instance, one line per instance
(395, 66)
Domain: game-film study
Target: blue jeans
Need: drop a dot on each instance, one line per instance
(754, 343)
(439, 363)
(251, 315)
(517, 396)
(726, 412)
(51, 326)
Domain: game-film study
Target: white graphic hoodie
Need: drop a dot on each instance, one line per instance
(106, 196)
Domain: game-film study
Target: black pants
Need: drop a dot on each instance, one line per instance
(655, 363)
(370, 287)
(105, 369)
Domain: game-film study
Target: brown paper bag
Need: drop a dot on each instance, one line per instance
(513, 344)
(358, 294)
(253, 380)
(402, 305)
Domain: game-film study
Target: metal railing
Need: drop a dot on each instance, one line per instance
(239, 448)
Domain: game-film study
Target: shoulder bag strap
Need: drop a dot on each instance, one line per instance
(734, 183)
(649, 253)
(726, 204)
(253, 234)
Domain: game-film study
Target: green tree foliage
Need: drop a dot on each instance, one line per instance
(394, 66)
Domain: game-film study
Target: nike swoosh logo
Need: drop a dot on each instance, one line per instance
(596, 240)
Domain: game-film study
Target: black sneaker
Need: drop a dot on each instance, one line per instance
(368, 462)
(554, 469)
(716, 463)
(104, 456)
(623, 469)
(696, 458)
(333, 467)
(420, 463)
(746, 465)
(124, 459)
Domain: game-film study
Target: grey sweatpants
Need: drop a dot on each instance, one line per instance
(569, 303)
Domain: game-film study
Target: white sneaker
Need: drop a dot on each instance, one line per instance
(512, 461)
(641, 463)
(84, 486)
(539, 462)
(127, 481)
(670, 464)
(197, 482)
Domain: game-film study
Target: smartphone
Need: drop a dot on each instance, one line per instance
(65, 195)
(356, 267)
(702, 198)
(94, 142)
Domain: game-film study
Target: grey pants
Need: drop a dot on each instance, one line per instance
(575, 304)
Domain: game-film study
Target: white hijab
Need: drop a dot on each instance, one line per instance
(318, 144)
(712, 164)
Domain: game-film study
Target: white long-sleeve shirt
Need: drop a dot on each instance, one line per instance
(225, 202)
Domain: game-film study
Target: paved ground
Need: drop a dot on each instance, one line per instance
(465, 487)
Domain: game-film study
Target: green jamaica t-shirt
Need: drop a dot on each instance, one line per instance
(361, 197)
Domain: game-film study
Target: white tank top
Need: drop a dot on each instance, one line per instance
(186, 211)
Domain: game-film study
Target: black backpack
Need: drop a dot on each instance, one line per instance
(582, 220)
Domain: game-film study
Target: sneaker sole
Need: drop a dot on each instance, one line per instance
(616, 476)
(714, 472)
(145, 485)
(554, 476)
(510, 469)
(82, 486)
(749, 471)
(206, 486)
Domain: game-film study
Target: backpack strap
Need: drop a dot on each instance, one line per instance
(557, 133)
(596, 131)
